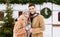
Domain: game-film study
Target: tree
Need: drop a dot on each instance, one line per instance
(7, 29)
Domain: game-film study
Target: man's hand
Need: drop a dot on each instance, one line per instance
(31, 30)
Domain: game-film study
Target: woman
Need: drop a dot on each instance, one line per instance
(22, 25)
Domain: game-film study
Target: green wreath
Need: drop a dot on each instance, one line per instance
(42, 12)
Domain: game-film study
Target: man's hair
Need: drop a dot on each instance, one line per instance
(31, 5)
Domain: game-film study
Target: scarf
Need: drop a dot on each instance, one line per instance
(33, 16)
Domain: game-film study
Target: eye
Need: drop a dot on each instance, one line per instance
(22, 19)
(32, 8)
(29, 9)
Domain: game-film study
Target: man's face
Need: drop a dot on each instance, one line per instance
(32, 9)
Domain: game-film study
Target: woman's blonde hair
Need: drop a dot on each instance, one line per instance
(29, 21)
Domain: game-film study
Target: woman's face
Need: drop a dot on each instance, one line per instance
(27, 15)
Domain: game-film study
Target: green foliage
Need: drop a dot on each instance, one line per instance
(7, 29)
(43, 12)
(31, 1)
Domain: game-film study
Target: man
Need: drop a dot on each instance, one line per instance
(37, 21)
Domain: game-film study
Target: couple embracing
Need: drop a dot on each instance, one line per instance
(29, 24)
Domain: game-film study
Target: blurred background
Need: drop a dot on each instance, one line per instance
(10, 10)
